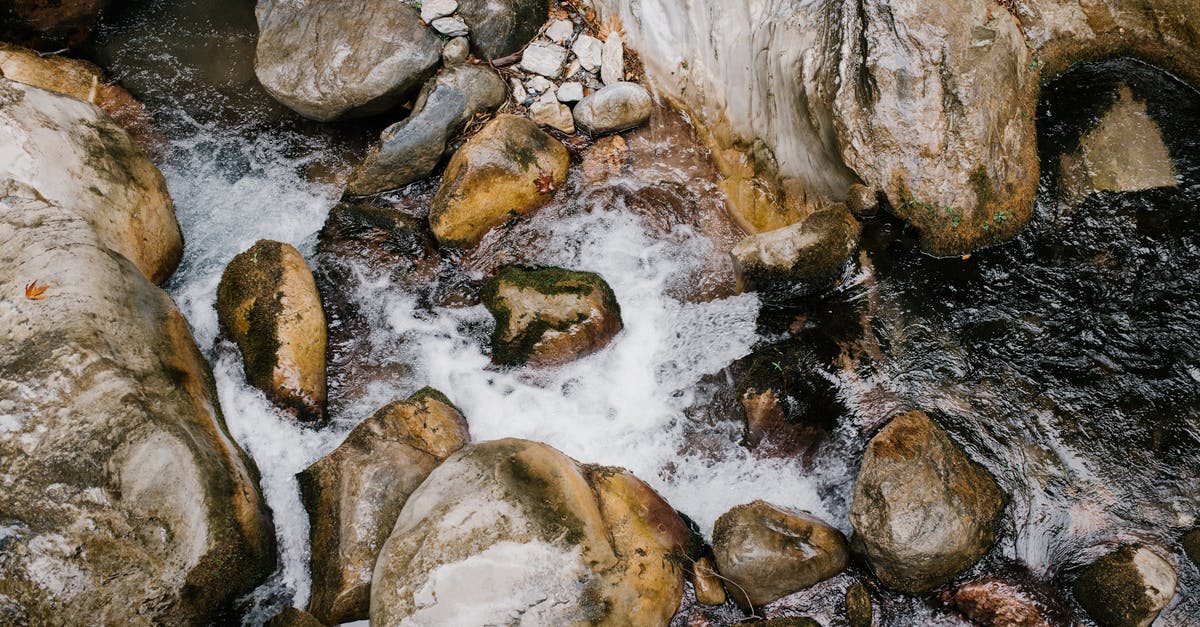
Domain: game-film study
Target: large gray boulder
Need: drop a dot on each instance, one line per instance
(125, 499)
(556, 542)
(501, 27)
(1126, 588)
(922, 511)
(329, 60)
(410, 149)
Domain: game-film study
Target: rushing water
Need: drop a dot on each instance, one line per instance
(1066, 362)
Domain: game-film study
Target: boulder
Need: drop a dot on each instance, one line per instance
(509, 167)
(619, 106)
(502, 27)
(515, 528)
(354, 494)
(54, 143)
(549, 316)
(1126, 588)
(1125, 152)
(922, 511)
(126, 501)
(410, 149)
(707, 583)
(50, 24)
(798, 260)
(769, 552)
(267, 303)
(997, 603)
(328, 63)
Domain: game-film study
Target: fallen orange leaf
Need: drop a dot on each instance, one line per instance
(33, 291)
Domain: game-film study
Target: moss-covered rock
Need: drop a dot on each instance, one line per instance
(923, 512)
(510, 167)
(548, 316)
(267, 303)
(768, 552)
(797, 260)
(559, 543)
(354, 494)
(1126, 588)
(859, 611)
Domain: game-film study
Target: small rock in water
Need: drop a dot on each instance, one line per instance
(560, 31)
(450, 26)
(570, 92)
(293, 617)
(707, 583)
(544, 58)
(617, 107)
(997, 603)
(456, 51)
(797, 260)
(612, 60)
(434, 9)
(1191, 545)
(605, 158)
(589, 51)
(1126, 588)
(538, 85)
(548, 111)
(862, 201)
(859, 612)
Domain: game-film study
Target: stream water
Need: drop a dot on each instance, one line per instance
(1067, 362)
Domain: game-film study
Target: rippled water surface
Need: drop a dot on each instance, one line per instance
(1067, 361)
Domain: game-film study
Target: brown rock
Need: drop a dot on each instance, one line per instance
(768, 552)
(707, 583)
(764, 415)
(997, 603)
(605, 159)
(496, 175)
(862, 201)
(1126, 588)
(797, 260)
(859, 612)
(293, 617)
(354, 494)
(549, 316)
(50, 23)
(267, 303)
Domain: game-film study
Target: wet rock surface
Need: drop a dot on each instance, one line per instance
(1126, 588)
(549, 316)
(327, 63)
(354, 494)
(797, 260)
(998, 603)
(50, 24)
(923, 512)
(767, 552)
(597, 542)
(268, 304)
(411, 149)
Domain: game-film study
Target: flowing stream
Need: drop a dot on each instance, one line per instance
(1067, 362)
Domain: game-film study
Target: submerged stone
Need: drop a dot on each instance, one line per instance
(1126, 588)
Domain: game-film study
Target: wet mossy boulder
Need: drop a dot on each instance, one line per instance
(859, 609)
(922, 511)
(1126, 588)
(354, 495)
(267, 303)
(769, 552)
(501, 27)
(510, 167)
(549, 316)
(557, 542)
(798, 260)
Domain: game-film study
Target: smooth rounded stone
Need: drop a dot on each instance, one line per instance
(589, 51)
(1124, 152)
(450, 26)
(612, 60)
(617, 107)
(502, 27)
(410, 149)
(550, 112)
(560, 31)
(549, 316)
(769, 552)
(707, 583)
(556, 542)
(456, 51)
(571, 91)
(862, 201)
(354, 495)
(997, 603)
(126, 501)
(433, 9)
(1126, 588)
(293, 617)
(1191, 545)
(509, 167)
(328, 63)
(798, 260)
(922, 511)
(267, 303)
(50, 24)
(859, 611)
(544, 58)
(77, 157)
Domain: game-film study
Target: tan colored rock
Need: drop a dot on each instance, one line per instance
(267, 302)
(707, 583)
(769, 552)
(77, 157)
(292, 617)
(496, 175)
(997, 603)
(354, 494)
(549, 316)
(798, 260)
(859, 610)
(557, 542)
(126, 501)
(605, 159)
(1125, 152)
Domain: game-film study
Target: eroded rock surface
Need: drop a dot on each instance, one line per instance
(559, 543)
(354, 494)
